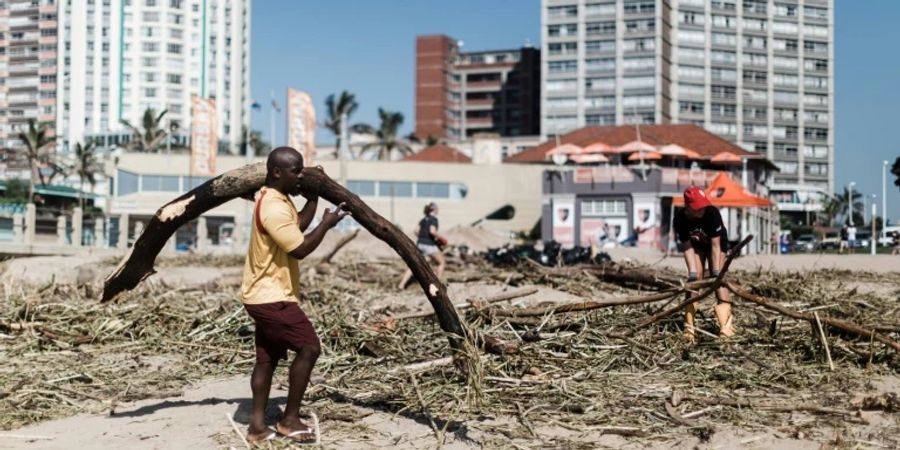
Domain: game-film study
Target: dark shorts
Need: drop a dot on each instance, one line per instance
(280, 327)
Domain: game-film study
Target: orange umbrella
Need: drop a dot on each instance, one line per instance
(590, 158)
(677, 150)
(645, 156)
(599, 147)
(726, 158)
(635, 146)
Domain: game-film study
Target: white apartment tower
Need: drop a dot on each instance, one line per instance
(759, 73)
(118, 58)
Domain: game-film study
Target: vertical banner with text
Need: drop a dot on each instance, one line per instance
(301, 124)
(204, 136)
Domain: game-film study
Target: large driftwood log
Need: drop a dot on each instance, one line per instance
(244, 182)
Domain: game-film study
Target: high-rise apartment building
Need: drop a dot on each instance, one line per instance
(759, 73)
(120, 57)
(459, 94)
(28, 30)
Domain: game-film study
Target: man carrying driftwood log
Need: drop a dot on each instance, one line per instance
(704, 241)
(270, 287)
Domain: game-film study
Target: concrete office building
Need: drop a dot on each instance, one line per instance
(459, 94)
(119, 57)
(28, 33)
(757, 72)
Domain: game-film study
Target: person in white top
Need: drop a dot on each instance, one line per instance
(851, 238)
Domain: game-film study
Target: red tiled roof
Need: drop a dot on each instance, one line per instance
(686, 135)
(439, 153)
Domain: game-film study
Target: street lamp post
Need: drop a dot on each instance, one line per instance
(884, 165)
(850, 201)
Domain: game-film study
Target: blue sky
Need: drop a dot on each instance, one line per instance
(368, 47)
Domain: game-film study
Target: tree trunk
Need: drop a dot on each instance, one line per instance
(244, 182)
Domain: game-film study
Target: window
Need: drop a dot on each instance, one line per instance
(694, 90)
(725, 39)
(126, 182)
(639, 101)
(594, 84)
(149, 76)
(150, 62)
(786, 80)
(723, 57)
(787, 166)
(819, 65)
(783, 114)
(565, 48)
(562, 103)
(753, 59)
(785, 10)
(600, 64)
(812, 81)
(755, 25)
(722, 128)
(640, 45)
(639, 6)
(719, 74)
(724, 21)
(600, 46)
(815, 30)
(788, 150)
(640, 26)
(599, 119)
(562, 123)
(690, 107)
(753, 76)
(151, 16)
(598, 28)
(174, 48)
(569, 29)
(727, 5)
(150, 92)
(561, 85)
(692, 54)
(755, 6)
(784, 28)
(563, 11)
(755, 130)
(816, 168)
(785, 45)
(150, 46)
(691, 72)
(600, 9)
(638, 63)
(361, 188)
(691, 18)
(755, 112)
(815, 151)
(755, 95)
(755, 42)
(606, 101)
(159, 183)
(691, 37)
(173, 78)
(562, 66)
(395, 189)
(815, 116)
(728, 92)
(815, 47)
(639, 82)
(815, 100)
(433, 190)
(812, 12)
(603, 208)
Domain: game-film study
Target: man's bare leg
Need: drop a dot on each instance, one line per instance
(441, 263)
(723, 312)
(300, 370)
(406, 276)
(260, 383)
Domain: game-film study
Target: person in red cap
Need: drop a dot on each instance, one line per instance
(704, 241)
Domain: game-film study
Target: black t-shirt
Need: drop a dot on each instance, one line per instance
(700, 231)
(425, 225)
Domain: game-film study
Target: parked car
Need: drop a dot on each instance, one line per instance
(863, 238)
(830, 241)
(805, 243)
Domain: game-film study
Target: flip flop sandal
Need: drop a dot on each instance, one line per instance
(304, 436)
(272, 435)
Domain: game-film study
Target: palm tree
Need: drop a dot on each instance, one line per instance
(831, 209)
(151, 133)
(253, 138)
(895, 170)
(35, 139)
(386, 136)
(338, 110)
(843, 205)
(86, 166)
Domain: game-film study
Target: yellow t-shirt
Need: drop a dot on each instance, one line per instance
(270, 273)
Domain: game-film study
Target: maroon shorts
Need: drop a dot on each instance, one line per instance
(280, 327)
